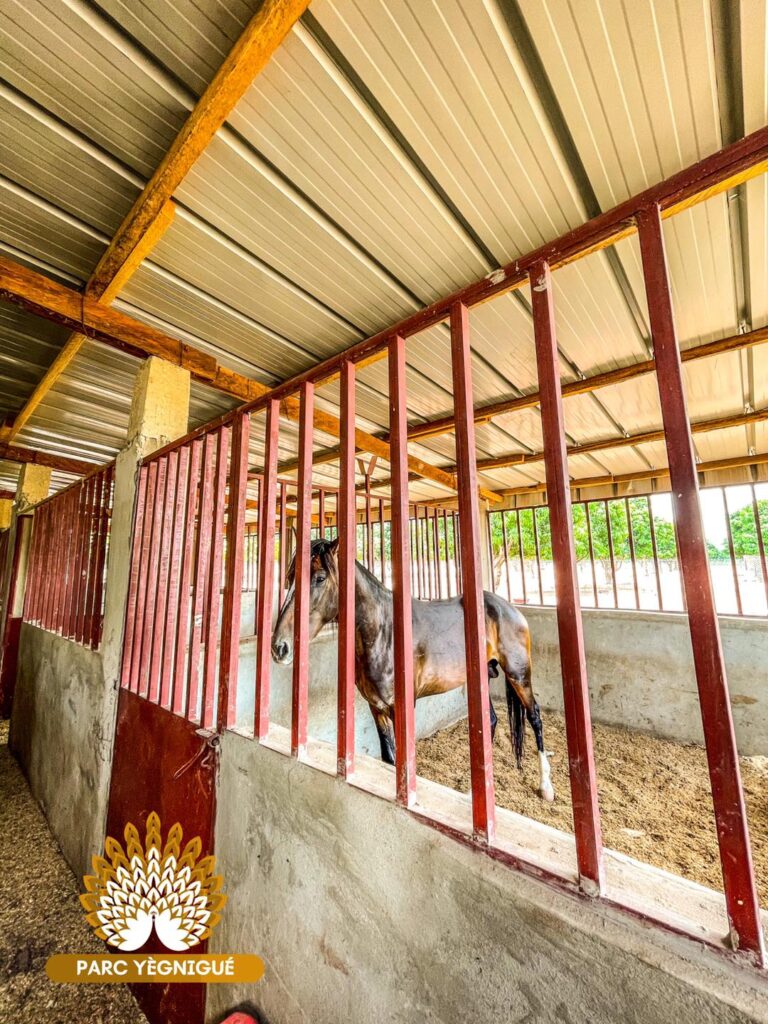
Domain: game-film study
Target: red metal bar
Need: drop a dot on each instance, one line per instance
(732, 553)
(233, 584)
(101, 558)
(436, 550)
(321, 513)
(184, 629)
(720, 741)
(591, 543)
(478, 717)
(405, 719)
(283, 539)
(158, 654)
(133, 584)
(202, 571)
(85, 527)
(67, 584)
(93, 583)
(213, 593)
(346, 524)
(448, 587)
(153, 570)
(143, 579)
(303, 574)
(382, 545)
(505, 542)
(266, 585)
(578, 725)
(537, 552)
(521, 552)
(171, 624)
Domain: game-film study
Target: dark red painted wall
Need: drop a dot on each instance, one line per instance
(151, 746)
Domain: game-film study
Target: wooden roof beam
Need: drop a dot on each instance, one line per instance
(53, 301)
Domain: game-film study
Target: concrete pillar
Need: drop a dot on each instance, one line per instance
(33, 487)
(6, 509)
(159, 415)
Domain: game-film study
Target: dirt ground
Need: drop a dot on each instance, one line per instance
(40, 914)
(654, 794)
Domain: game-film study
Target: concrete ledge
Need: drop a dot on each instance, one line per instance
(363, 913)
(640, 667)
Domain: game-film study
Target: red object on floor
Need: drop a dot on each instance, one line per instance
(240, 1018)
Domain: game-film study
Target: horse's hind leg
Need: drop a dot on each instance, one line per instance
(386, 730)
(522, 704)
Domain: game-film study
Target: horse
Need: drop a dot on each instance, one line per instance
(439, 657)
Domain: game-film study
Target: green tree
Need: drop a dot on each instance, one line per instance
(744, 529)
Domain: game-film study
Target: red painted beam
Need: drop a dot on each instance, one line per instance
(346, 523)
(720, 740)
(405, 719)
(478, 707)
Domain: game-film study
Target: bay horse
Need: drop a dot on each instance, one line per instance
(439, 658)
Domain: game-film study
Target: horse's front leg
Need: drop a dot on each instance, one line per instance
(386, 730)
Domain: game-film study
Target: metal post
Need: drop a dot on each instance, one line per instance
(480, 755)
(578, 725)
(760, 542)
(303, 573)
(728, 798)
(347, 526)
(266, 585)
(732, 553)
(631, 539)
(405, 726)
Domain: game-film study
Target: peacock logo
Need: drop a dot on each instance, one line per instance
(150, 885)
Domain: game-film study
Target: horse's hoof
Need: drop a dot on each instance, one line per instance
(547, 793)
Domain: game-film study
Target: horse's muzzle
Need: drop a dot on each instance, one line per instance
(281, 652)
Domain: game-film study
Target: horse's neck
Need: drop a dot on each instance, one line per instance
(373, 605)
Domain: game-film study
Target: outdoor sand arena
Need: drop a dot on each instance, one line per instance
(654, 794)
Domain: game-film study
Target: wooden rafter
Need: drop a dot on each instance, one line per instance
(52, 301)
(261, 37)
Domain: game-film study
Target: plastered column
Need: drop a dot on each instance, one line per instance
(33, 487)
(159, 415)
(6, 509)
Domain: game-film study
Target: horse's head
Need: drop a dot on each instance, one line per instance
(323, 598)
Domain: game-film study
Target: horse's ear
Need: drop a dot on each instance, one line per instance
(333, 547)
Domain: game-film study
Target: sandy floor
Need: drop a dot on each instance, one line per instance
(654, 794)
(40, 914)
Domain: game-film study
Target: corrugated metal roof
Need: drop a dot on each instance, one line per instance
(390, 152)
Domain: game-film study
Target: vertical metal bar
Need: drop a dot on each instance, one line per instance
(631, 539)
(63, 590)
(229, 656)
(414, 549)
(153, 568)
(303, 574)
(105, 518)
(266, 586)
(489, 535)
(760, 542)
(283, 539)
(521, 553)
(448, 587)
(436, 550)
(202, 569)
(97, 497)
(732, 553)
(164, 557)
(143, 581)
(720, 741)
(174, 595)
(505, 543)
(184, 628)
(213, 597)
(84, 526)
(609, 531)
(368, 522)
(578, 725)
(346, 525)
(478, 718)
(591, 543)
(655, 550)
(538, 554)
(321, 513)
(382, 546)
(405, 725)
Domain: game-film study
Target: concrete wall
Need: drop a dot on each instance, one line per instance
(364, 914)
(641, 674)
(62, 733)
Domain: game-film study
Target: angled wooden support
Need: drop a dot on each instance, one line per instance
(249, 56)
(26, 456)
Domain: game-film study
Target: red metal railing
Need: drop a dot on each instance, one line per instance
(203, 492)
(67, 560)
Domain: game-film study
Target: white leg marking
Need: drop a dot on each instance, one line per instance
(546, 790)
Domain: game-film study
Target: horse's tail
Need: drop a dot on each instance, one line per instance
(516, 711)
